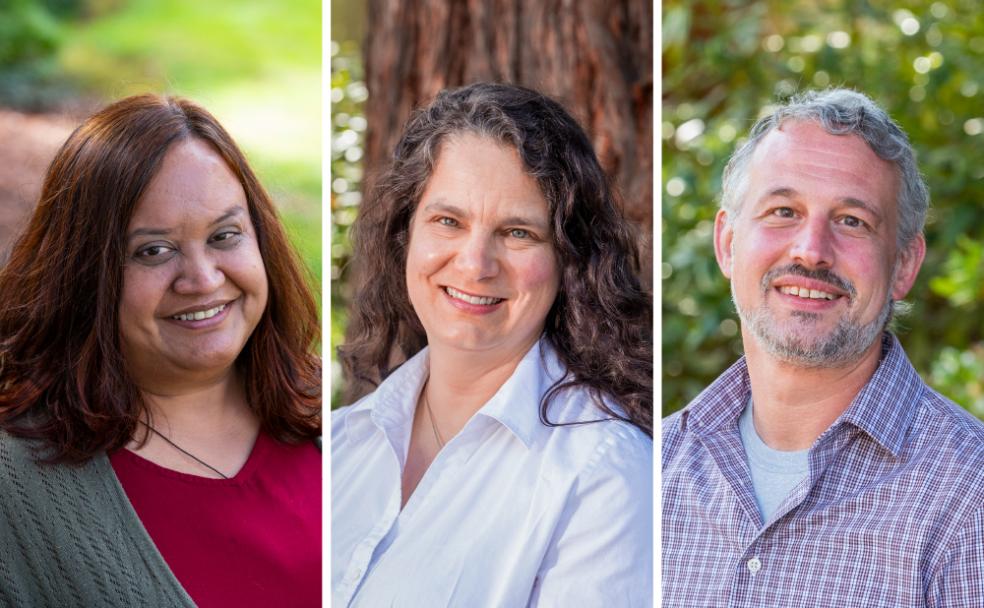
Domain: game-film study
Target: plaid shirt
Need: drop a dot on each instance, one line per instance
(891, 514)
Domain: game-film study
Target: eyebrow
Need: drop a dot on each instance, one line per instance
(513, 220)
(850, 201)
(229, 213)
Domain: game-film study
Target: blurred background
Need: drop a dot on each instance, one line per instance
(390, 56)
(255, 65)
(921, 60)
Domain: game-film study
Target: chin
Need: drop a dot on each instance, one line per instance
(202, 360)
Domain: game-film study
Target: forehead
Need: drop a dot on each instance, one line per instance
(803, 157)
(192, 184)
(484, 176)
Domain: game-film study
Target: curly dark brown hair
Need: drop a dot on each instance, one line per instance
(63, 377)
(601, 321)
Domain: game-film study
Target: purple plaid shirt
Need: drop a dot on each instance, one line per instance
(891, 514)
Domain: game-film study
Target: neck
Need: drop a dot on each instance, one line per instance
(202, 408)
(461, 383)
(795, 405)
(212, 421)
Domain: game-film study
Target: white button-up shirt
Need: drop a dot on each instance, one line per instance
(510, 513)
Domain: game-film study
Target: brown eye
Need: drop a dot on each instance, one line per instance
(225, 237)
(153, 254)
(154, 251)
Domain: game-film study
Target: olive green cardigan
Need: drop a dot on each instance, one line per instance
(69, 537)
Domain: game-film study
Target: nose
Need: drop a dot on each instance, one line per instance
(198, 274)
(478, 257)
(813, 246)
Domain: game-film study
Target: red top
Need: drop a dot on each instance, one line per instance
(252, 540)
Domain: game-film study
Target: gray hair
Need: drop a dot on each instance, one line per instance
(840, 112)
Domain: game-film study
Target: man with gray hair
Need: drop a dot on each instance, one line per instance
(820, 470)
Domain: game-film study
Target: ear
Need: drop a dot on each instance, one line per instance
(910, 261)
(724, 234)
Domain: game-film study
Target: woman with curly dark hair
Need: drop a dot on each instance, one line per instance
(159, 390)
(504, 458)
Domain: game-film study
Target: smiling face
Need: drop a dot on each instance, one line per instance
(194, 284)
(812, 255)
(481, 269)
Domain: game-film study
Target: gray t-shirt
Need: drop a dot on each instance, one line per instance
(774, 473)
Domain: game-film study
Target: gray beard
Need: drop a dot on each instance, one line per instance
(845, 344)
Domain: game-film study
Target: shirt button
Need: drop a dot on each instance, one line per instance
(754, 565)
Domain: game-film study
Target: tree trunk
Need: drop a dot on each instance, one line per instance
(594, 56)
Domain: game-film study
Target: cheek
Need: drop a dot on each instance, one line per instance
(540, 273)
(425, 258)
(247, 271)
(143, 289)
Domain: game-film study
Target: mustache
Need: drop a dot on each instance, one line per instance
(818, 274)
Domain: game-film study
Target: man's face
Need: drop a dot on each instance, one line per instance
(812, 255)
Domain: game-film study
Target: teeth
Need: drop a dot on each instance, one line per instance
(803, 292)
(454, 293)
(200, 315)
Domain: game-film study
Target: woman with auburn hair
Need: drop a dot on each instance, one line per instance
(505, 456)
(160, 395)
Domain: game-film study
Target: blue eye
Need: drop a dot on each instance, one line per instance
(447, 221)
(519, 233)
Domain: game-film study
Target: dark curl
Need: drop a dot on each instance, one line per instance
(600, 323)
(63, 377)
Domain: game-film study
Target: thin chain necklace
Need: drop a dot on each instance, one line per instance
(430, 414)
(184, 451)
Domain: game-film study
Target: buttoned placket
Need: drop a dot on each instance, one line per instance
(752, 540)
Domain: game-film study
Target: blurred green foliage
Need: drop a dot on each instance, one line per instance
(726, 60)
(348, 127)
(31, 33)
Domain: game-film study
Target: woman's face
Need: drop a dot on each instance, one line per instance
(194, 284)
(481, 271)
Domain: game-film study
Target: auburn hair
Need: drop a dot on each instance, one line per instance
(63, 378)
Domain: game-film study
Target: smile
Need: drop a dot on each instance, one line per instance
(803, 292)
(476, 300)
(200, 315)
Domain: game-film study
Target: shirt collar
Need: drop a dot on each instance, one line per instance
(883, 408)
(392, 404)
(886, 405)
(719, 405)
(516, 405)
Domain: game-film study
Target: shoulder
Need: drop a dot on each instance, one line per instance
(671, 432)
(591, 447)
(945, 426)
(340, 418)
(18, 458)
(40, 498)
(23, 473)
(952, 439)
(949, 419)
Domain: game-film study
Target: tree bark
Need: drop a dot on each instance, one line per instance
(594, 56)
